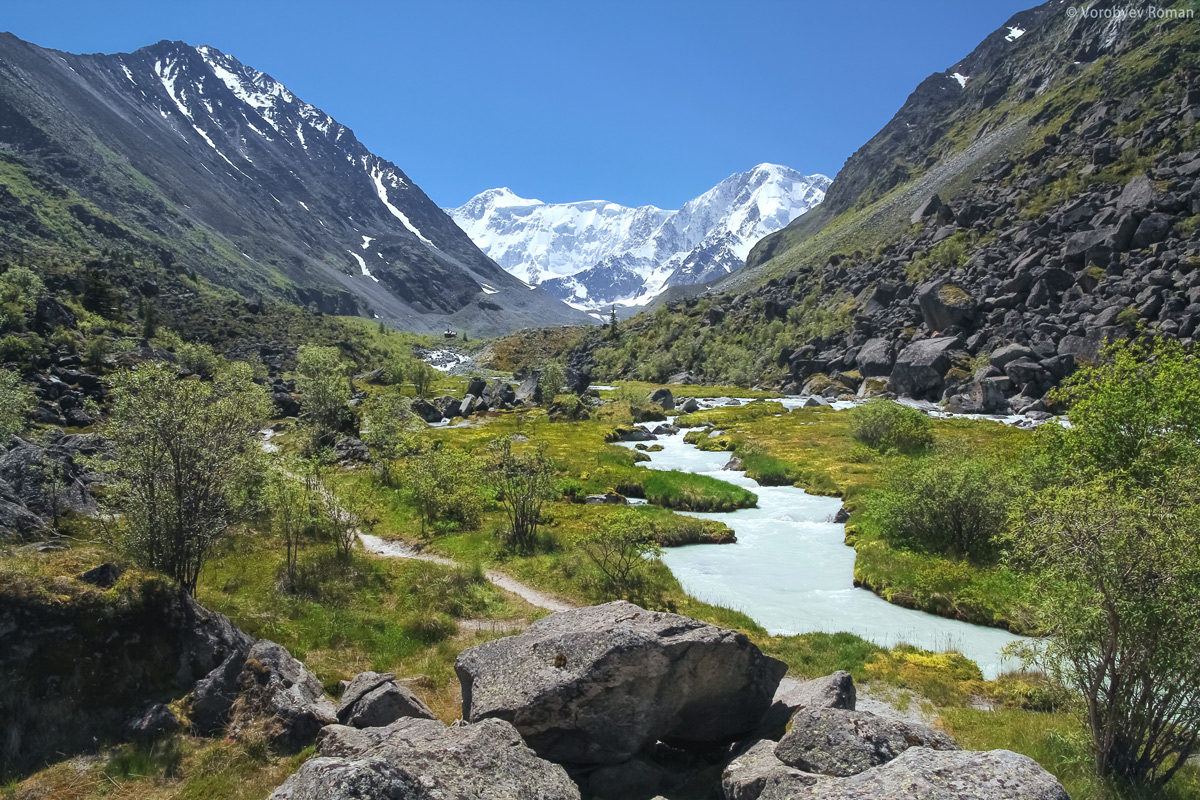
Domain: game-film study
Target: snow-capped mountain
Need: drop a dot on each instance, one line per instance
(221, 167)
(593, 253)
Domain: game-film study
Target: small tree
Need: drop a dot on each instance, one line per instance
(16, 401)
(391, 431)
(445, 484)
(321, 377)
(525, 482)
(887, 425)
(397, 371)
(290, 517)
(184, 457)
(613, 331)
(551, 381)
(619, 549)
(349, 514)
(423, 377)
(1119, 592)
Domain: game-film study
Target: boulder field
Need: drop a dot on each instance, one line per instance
(614, 702)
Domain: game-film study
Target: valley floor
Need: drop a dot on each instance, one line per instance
(409, 603)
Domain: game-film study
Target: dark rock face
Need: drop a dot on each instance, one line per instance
(598, 685)
(89, 667)
(350, 448)
(374, 700)
(415, 759)
(41, 478)
(839, 742)
(156, 721)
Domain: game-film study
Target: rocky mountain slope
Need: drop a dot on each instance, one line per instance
(189, 158)
(1032, 201)
(594, 253)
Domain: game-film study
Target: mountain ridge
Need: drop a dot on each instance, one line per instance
(195, 158)
(595, 253)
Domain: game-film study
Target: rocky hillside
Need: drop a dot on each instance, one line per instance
(186, 156)
(593, 254)
(1034, 199)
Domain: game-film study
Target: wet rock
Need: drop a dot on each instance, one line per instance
(664, 398)
(596, 685)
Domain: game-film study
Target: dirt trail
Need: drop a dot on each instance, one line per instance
(393, 549)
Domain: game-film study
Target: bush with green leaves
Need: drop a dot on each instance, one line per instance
(1110, 535)
(16, 401)
(551, 381)
(620, 547)
(950, 502)
(183, 464)
(446, 485)
(20, 292)
(525, 482)
(391, 430)
(888, 425)
(322, 379)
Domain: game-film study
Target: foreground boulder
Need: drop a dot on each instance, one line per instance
(280, 692)
(918, 774)
(837, 742)
(597, 685)
(417, 759)
(374, 700)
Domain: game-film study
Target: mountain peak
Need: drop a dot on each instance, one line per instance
(594, 253)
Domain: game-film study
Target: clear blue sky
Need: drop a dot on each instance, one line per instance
(641, 102)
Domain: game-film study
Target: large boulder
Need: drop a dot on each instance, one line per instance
(921, 367)
(597, 685)
(418, 759)
(664, 398)
(426, 410)
(944, 305)
(374, 700)
(838, 742)
(875, 358)
(281, 693)
(918, 774)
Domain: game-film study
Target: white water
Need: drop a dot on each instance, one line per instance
(792, 572)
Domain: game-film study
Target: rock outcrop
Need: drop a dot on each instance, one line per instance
(598, 685)
(418, 759)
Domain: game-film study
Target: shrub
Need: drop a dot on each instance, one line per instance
(887, 425)
(620, 548)
(949, 502)
(445, 483)
(16, 401)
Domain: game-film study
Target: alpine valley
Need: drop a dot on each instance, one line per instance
(594, 254)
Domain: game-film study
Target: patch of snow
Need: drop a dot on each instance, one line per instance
(304, 205)
(129, 74)
(962, 79)
(487, 289)
(362, 264)
(381, 190)
(1014, 33)
(366, 242)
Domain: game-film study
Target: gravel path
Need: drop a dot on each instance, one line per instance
(393, 549)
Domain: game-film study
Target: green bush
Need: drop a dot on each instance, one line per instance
(951, 503)
(887, 425)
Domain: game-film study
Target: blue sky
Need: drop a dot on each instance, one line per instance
(648, 102)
